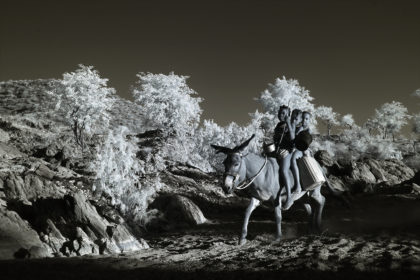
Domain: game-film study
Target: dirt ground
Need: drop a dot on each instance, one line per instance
(378, 238)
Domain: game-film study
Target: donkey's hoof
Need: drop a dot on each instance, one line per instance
(241, 241)
(277, 241)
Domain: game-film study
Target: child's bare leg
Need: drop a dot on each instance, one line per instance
(295, 170)
(285, 167)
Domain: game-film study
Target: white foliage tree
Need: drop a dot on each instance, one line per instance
(391, 117)
(371, 124)
(168, 103)
(328, 117)
(117, 175)
(283, 92)
(228, 136)
(347, 121)
(84, 98)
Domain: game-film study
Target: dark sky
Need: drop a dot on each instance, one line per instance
(352, 55)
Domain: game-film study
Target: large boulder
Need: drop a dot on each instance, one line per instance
(18, 239)
(179, 211)
(184, 209)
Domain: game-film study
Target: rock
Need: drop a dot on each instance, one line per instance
(376, 170)
(85, 213)
(15, 234)
(54, 237)
(74, 228)
(45, 172)
(39, 252)
(181, 209)
(126, 241)
(3, 203)
(30, 187)
(119, 238)
(14, 188)
(324, 158)
(83, 245)
(396, 171)
(361, 173)
(4, 136)
(337, 183)
(9, 152)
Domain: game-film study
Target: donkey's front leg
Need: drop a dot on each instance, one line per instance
(277, 212)
(252, 205)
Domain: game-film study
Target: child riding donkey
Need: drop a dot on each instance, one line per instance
(284, 139)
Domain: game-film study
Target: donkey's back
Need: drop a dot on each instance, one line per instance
(267, 185)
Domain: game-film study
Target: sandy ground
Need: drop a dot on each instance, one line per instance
(379, 238)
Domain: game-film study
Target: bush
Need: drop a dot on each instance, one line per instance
(118, 173)
(84, 98)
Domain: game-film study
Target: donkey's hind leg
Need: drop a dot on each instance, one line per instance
(310, 213)
(318, 205)
(251, 207)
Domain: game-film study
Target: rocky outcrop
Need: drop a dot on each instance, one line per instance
(17, 236)
(365, 175)
(70, 226)
(45, 211)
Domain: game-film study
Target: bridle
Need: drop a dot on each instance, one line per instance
(244, 184)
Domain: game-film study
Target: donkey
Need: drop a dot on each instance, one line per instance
(263, 177)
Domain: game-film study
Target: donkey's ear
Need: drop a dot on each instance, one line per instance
(220, 149)
(242, 147)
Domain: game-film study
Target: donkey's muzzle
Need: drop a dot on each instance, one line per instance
(228, 184)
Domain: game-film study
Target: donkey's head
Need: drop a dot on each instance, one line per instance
(233, 164)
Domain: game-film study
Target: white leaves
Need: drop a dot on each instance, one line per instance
(416, 123)
(284, 92)
(327, 115)
(228, 136)
(167, 102)
(85, 98)
(391, 117)
(118, 172)
(347, 121)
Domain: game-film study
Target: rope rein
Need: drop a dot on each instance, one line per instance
(241, 187)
